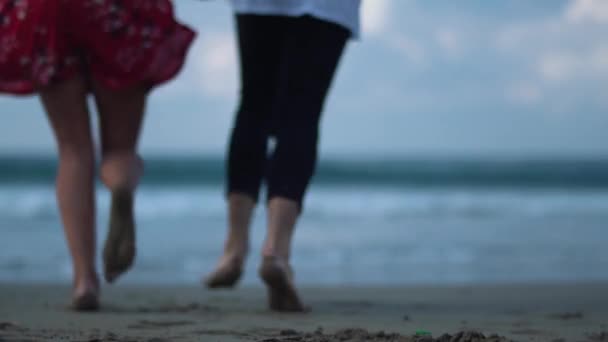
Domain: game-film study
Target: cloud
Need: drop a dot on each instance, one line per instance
(450, 41)
(563, 55)
(375, 16)
(217, 65)
(587, 10)
(599, 59)
(558, 66)
(525, 93)
(408, 47)
(583, 64)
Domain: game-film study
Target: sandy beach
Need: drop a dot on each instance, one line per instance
(519, 313)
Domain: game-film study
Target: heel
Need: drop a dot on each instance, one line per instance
(282, 295)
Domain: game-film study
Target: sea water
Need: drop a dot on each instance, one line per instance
(365, 222)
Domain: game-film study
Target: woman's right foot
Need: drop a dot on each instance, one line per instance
(227, 273)
(278, 277)
(119, 248)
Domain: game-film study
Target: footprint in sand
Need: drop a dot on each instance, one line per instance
(176, 308)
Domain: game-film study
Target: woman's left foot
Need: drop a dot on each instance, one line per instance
(86, 295)
(227, 273)
(85, 302)
(119, 248)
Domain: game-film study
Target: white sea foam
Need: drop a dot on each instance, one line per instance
(361, 236)
(38, 202)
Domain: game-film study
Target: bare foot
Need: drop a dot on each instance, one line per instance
(227, 273)
(282, 294)
(119, 249)
(86, 296)
(85, 302)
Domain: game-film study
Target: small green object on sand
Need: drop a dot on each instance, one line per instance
(423, 333)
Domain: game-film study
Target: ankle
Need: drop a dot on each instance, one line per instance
(232, 256)
(237, 244)
(279, 247)
(86, 284)
(269, 251)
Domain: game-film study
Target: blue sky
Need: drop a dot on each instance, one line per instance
(428, 78)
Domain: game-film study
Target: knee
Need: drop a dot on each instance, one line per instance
(298, 137)
(77, 156)
(249, 123)
(121, 170)
(249, 134)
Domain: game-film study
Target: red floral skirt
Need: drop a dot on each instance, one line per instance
(119, 43)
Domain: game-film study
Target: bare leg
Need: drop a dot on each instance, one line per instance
(68, 114)
(120, 116)
(230, 266)
(275, 270)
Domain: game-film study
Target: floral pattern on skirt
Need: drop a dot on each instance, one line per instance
(121, 43)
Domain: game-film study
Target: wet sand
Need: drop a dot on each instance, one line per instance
(157, 314)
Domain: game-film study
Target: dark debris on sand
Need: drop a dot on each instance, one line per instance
(147, 324)
(361, 335)
(8, 326)
(111, 337)
(27, 335)
(599, 337)
(567, 316)
(468, 336)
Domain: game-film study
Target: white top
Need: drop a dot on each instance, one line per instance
(342, 12)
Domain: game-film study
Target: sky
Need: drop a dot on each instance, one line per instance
(428, 78)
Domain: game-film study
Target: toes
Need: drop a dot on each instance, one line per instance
(227, 274)
(223, 278)
(119, 250)
(117, 265)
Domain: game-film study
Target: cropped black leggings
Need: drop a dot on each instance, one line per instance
(287, 65)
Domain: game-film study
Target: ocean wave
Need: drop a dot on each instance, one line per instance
(565, 173)
(470, 203)
(344, 203)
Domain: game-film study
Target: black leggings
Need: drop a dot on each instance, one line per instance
(287, 65)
